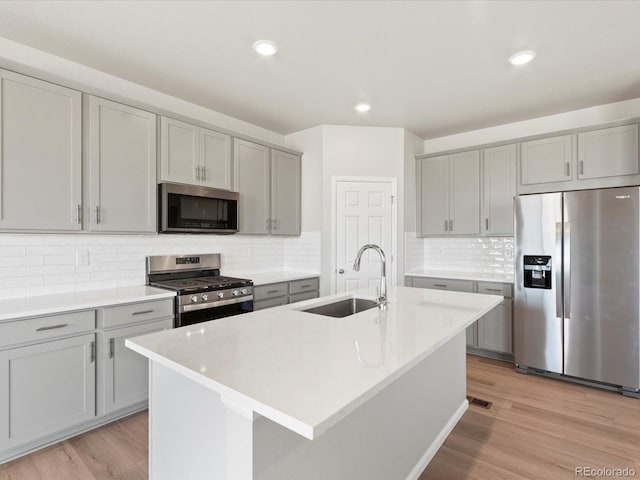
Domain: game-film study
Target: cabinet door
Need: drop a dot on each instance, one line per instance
(285, 193)
(494, 329)
(252, 181)
(179, 151)
(547, 160)
(608, 153)
(464, 178)
(471, 335)
(215, 159)
(40, 155)
(122, 168)
(433, 191)
(125, 377)
(499, 189)
(46, 388)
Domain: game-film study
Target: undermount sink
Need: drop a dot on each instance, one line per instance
(343, 308)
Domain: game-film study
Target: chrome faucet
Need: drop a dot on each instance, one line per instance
(382, 292)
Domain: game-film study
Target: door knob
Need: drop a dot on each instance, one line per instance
(341, 271)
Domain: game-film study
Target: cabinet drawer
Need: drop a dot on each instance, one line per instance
(270, 302)
(444, 284)
(42, 328)
(492, 288)
(306, 285)
(262, 292)
(136, 312)
(303, 296)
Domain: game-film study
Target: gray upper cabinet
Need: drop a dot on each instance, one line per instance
(499, 188)
(548, 160)
(608, 152)
(122, 168)
(252, 180)
(194, 155)
(285, 193)
(40, 155)
(268, 182)
(449, 194)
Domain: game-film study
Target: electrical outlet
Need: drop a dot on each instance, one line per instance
(82, 257)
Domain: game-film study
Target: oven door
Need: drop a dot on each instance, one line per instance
(190, 316)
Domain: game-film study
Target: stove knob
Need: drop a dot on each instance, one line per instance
(220, 294)
(235, 293)
(194, 299)
(205, 297)
(243, 291)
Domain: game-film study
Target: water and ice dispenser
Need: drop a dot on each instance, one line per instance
(537, 271)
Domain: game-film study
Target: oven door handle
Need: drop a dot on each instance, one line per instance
(218, 303)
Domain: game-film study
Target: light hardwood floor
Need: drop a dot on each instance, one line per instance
(537, 428)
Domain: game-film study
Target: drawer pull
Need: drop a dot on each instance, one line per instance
(493, 290)
(440, 285)
(305, 286)
(272, 291)
(142, 312)
(52, 327)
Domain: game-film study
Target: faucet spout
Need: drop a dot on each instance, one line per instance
(382, 293)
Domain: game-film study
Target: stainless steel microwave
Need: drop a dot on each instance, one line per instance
(194, 209)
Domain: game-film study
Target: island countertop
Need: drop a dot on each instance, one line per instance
(306, 371)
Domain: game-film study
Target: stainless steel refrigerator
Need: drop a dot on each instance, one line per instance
(577, 293)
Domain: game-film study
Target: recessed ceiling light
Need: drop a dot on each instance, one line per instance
(265, 48)
(363, 107)
(521, 58)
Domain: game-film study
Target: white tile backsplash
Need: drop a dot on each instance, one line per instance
(463, 254)
(32, 264)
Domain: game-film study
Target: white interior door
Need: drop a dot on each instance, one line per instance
(364, 215)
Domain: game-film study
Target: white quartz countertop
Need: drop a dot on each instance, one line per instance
(477, 276)
(306, 371)
(16, 308)
(265, 278)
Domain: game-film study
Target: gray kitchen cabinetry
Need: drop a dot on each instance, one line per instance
(490, 335)
(498, 189)
(194, 155)
(608, 152)
(283, 293)
(268, 182)
(121, 168)
(449, 194)
(40, 155)
(47, 376)
(124, 374)
(547, 160)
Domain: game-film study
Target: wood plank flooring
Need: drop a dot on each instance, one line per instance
(537, 428)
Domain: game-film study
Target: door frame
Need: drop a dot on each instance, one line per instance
(392, 257)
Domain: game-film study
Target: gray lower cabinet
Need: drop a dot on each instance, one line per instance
(40, 155)
(122, 168)
(269, 183)
(283, 293)
(492, 334)
(47, 384)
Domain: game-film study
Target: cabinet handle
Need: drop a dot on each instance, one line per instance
(142, 312)
(92, 351)
(112, 347)
(446, 224)
(581, 167)
(275, 224)
(493, 290)
(305, 286)
(52, 327)
(268, 223)
(79, 216)
(197, 173)
(451, 225)
(272, 291)
(204, 173)
(567, 166)
(97, 214)
(440, 285)
(486, 224)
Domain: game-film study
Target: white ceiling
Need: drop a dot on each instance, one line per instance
(434, 67)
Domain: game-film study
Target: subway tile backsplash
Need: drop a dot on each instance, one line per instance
(463, 254)
(32, 264)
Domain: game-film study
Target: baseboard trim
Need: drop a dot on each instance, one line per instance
(437, 443)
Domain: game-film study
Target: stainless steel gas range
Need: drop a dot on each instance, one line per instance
(202, 293)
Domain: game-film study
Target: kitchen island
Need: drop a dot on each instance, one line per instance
(286, 394)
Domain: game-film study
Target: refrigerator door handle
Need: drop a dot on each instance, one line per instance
(557, 267)
(567, 270)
